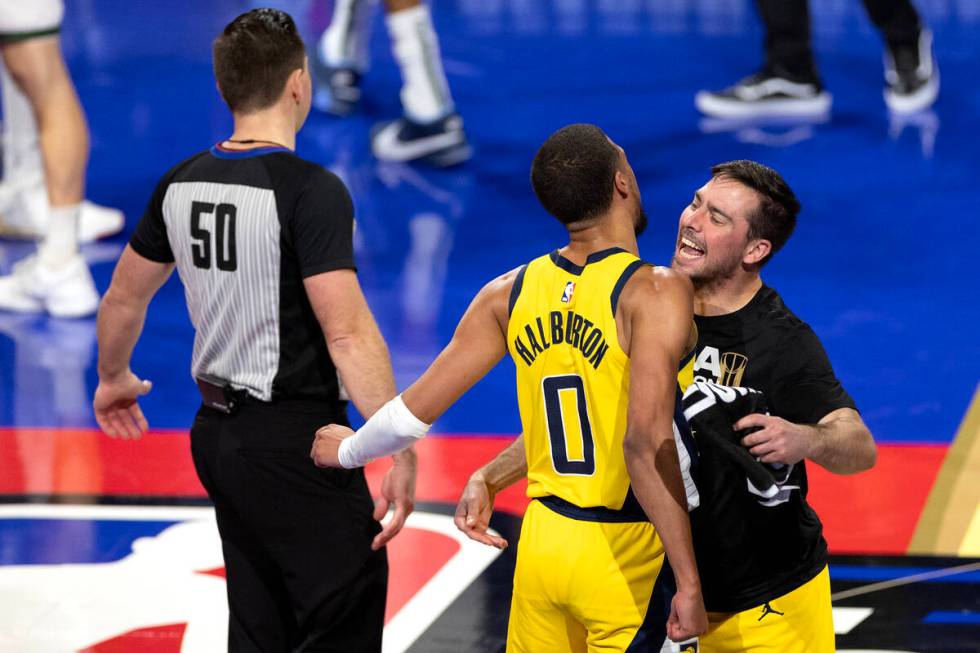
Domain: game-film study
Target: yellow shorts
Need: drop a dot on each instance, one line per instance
(798, 622)
(584, 585)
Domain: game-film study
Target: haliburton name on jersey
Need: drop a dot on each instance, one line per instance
(568, 328)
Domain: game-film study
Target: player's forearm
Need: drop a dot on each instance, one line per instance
(118, 327)
(508, 467)
(362, 359)
(843, 446)
(655, 476)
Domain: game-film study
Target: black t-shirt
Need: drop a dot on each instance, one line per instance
(750, 550)
(245, 228)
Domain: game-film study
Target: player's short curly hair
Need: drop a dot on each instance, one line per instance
(254, 57)
(574, 171)
(775, 218)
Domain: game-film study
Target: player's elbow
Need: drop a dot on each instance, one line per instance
(352, 338)
(860, 455)
(118, 301)
(868, 456)
(638, 445)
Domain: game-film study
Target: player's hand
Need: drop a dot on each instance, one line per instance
(116, 409)
(687, 616)
(398, 487)
(326, 445)
(474, 511)
(776, 441)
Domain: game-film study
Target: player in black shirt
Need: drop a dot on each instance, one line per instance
(762, 559)
(263, 243)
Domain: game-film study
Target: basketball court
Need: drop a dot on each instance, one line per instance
(109, 545)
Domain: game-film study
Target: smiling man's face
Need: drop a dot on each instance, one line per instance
(713, 234)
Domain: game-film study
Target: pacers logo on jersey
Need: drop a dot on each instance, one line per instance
(569, 290)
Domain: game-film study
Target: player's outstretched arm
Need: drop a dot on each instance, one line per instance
(476, 503)
(656, 314)
(476, 347)
(119, 324)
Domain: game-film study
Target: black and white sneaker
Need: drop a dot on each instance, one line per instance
(911, 76)
(336, 90)
(441, 143)
(765, 93)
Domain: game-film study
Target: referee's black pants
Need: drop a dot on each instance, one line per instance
(296, 538)
(787, 27)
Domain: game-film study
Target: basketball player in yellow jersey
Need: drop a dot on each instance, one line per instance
(597, 337)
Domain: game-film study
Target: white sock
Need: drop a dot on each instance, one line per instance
(425, 92)
(345, 42)
(60, 242)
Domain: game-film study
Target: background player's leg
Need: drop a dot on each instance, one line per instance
(788, 83)
(23, 168)
(430, 128)
(911, 74)
(789, 52)
(38, 69)
(23, 194)
(342, 56)
(58, 279)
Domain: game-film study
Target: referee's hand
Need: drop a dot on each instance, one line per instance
(116, 408)
(326, 445)
(398, 490)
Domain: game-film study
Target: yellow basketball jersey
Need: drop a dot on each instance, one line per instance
(572, 376)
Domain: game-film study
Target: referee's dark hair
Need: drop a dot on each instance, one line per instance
(254, 57)
(573, 173)
(778, 207)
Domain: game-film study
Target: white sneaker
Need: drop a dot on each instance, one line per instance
(96, 222)
(24, 214)
(66, 292)
(767, 93)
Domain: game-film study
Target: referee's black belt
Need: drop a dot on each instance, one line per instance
(218, 394)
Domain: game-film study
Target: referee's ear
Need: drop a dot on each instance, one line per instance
(299, 90)
(298, 83)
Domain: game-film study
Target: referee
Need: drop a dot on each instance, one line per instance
(262, 240)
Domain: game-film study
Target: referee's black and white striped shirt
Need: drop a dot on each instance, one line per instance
(245, 228)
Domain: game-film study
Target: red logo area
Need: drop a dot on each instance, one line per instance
(414, 557)
(156, 639)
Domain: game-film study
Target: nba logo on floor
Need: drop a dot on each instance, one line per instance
(567, 295)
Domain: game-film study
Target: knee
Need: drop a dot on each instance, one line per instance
(36, 66)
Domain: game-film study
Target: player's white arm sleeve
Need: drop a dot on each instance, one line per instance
(389, 430)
